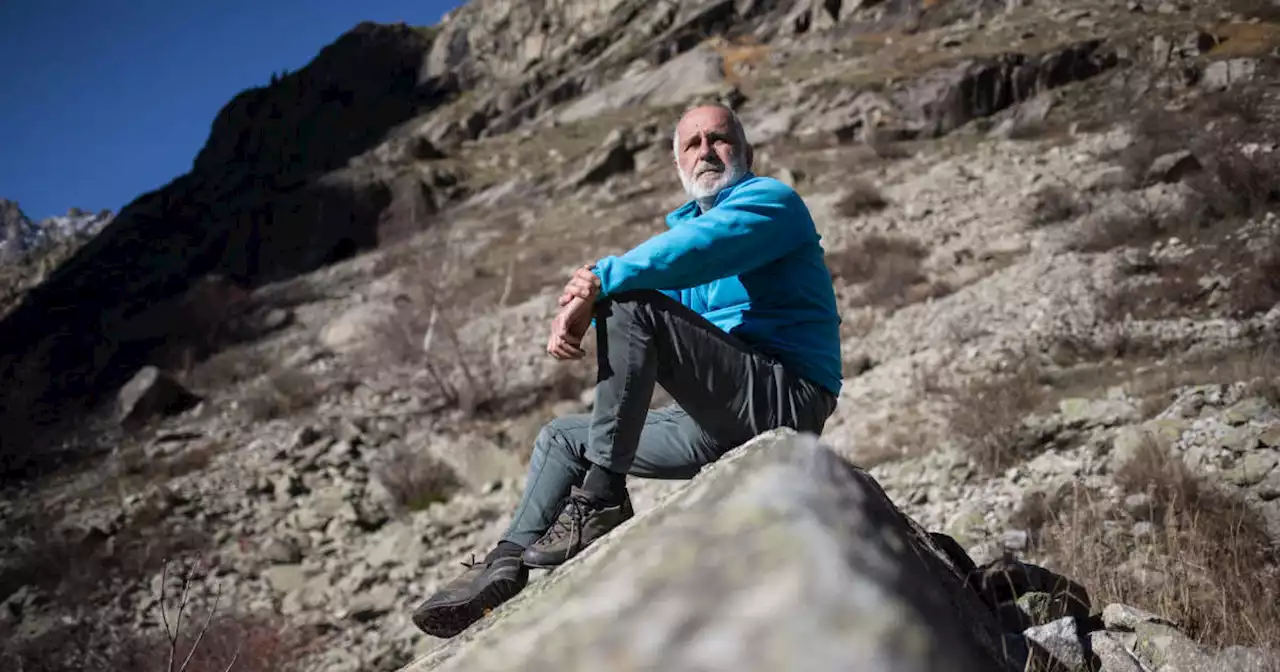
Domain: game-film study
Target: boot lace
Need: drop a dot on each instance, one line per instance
(573, 516)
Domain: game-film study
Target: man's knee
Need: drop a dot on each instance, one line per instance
(555, 437)
(633, 305)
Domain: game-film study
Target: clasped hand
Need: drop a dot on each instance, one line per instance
(577, 303)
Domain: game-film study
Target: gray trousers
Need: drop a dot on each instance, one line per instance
(725, 394)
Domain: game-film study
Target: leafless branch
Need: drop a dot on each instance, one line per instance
(164, 582)
(177, 621)
(234, 657)
(173, 632)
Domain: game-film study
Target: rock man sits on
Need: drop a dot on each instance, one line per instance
(731, 310)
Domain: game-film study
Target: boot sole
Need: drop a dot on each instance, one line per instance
(451, 618)
(545, 564)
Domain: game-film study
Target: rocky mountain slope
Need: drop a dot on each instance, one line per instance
(1049, 225)
(29, 251)
(21, 238)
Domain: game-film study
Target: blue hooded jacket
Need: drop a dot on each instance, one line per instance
(753, 266)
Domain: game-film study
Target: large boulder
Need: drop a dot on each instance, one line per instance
(151, 393)
(780, 556)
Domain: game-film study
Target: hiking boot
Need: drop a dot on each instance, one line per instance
(582, 520)
(466, 599)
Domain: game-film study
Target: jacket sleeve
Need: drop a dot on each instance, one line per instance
(752, 227)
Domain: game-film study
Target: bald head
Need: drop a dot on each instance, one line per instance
(711, 151)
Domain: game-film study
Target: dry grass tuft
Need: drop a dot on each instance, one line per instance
(1053, 204)
(1174, 288)
(1206, 563)
(889, 270)
(739, 57)
(1257, 287)
(875, 256)
(415, 479)
(1235, 184)
(860, 198)
(226, 369)
(281, 393)
(986, 417)
(1029, 129)
(1228, 271)
(1138, 228)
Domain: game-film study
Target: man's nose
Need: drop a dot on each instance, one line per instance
(704, 149)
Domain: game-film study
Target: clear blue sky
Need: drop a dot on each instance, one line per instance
(103, 100)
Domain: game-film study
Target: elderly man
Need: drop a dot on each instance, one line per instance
(731, 310)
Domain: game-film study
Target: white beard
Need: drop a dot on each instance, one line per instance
(705, 194)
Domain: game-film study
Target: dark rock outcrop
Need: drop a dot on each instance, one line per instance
(263, 202)
(950, 97)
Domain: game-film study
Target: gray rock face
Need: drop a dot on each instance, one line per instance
(1173, 166)
(780, 556)
(1223, 74)
(697, 72)
(1061, 640)
(615, 157)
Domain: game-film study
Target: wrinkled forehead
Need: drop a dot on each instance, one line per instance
(705, 120)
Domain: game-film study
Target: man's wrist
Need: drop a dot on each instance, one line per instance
(597, 280)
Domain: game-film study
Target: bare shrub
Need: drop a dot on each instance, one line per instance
(872, 255)
(1241, 105)
(887, 149)
(1138, 227)
(257, 643)
(214, 641)
(181, 654)
(1246, 273)
(226, 369)
(415, 479)
(1053, 204)
(860, 198)
(1207, 563)
(986, 416)
(1212, 127)
(1256, 289)
(199, 322)
(280, 393)
(424, 332)
(1028, 129)
(889, 268)
(1172, 290)
(1234, 184)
